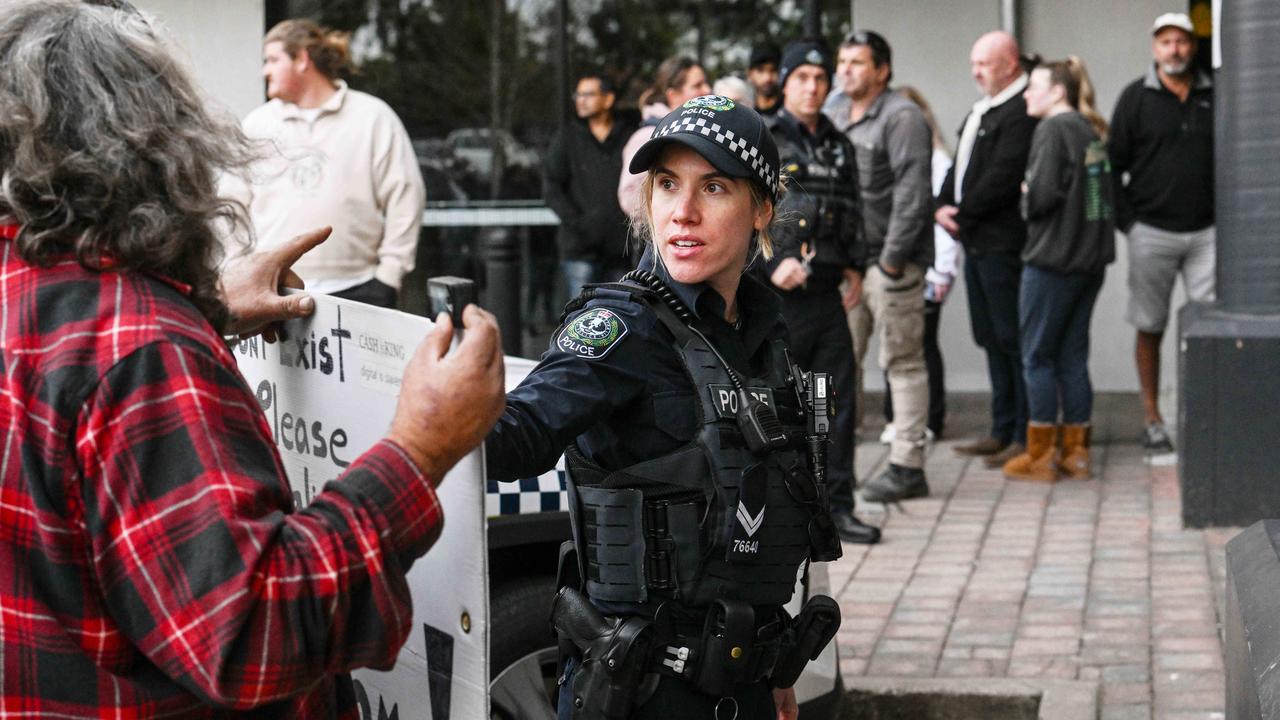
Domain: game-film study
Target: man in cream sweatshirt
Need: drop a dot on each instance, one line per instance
(334, 156)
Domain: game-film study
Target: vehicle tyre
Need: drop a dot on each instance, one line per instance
(522, 650)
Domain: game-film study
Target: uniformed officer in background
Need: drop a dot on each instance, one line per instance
(695, 449)
(817, 266)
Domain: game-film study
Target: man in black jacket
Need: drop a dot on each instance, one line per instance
(978, 205)
(1162, 139)
(818, 259)
(581, 185)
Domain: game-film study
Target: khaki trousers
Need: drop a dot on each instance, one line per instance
(894, 309)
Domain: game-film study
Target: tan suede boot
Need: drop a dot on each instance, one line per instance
(1037, 463)
(1075, 452)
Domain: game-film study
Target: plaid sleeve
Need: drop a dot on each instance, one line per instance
(199, 555)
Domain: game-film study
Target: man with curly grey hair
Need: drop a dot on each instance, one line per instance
(151, 561)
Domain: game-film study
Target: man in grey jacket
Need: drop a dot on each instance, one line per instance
(895, 148)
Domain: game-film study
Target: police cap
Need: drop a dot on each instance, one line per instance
(730, 136)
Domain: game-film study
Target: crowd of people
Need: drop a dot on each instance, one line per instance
(1026, 209)
(153, 559)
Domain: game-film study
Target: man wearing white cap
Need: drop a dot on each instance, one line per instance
(1162, 139)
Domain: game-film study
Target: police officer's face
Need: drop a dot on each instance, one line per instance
(857, 72)
(806, 88)
(702, 220)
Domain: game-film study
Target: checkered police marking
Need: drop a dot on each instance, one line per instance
(545, 493)
(750, 154)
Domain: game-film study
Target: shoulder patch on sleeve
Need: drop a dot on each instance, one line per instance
(592, 334)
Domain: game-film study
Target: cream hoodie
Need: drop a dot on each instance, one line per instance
(350, 166)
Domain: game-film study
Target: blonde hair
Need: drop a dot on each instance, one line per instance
(1074, 79)
(328, 49)
(761, 242)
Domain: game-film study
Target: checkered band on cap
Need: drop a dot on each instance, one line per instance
(738, 146)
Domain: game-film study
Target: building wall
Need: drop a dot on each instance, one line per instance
(222, 44)
(931, 42)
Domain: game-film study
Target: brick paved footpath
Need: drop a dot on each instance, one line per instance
(1080, 580)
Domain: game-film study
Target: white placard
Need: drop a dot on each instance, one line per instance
(329, 391)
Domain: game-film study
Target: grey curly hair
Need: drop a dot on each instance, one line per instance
(107, 150)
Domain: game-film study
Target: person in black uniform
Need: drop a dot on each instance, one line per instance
(694, 449)
(820, 250)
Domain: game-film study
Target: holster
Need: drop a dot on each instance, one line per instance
(813, 628)
(727, 639)
(568, 574)
(614, 653)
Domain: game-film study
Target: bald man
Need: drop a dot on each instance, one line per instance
(978, 205)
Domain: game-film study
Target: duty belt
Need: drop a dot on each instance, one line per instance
(616, 653)
(729, 649)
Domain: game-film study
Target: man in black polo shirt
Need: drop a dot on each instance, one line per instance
(581, 185)
(1162, 138)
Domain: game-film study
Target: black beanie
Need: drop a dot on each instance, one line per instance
(804, 52)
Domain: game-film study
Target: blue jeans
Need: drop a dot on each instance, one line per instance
(576, 274)
(991, 280)
(1054, 313)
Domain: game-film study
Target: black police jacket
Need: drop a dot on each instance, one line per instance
(822, 208)
(627, 398)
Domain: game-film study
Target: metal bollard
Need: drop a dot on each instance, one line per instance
(501, 252)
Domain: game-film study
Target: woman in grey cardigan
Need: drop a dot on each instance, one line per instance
(1067, 202)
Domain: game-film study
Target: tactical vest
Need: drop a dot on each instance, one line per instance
(709, 520)
(824, 199)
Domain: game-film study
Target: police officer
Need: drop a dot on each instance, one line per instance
(820, 250)
(694, 449)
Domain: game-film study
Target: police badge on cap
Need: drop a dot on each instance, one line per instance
(733, 138)
(804, 52)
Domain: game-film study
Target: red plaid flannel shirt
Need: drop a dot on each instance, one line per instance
(152, 563)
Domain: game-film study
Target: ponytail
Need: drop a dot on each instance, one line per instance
(1074, 79)
(1087, 99)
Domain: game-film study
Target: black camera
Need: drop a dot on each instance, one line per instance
(449, 294)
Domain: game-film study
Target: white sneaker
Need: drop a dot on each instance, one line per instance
(890, 432)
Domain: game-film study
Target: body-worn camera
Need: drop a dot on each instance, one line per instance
(813, 393)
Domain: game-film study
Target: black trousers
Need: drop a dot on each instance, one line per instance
(820, 342)
(374, 292)
(992, 281)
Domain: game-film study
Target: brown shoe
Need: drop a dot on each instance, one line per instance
(986, 446)
(1037, 463)
(1012, 450)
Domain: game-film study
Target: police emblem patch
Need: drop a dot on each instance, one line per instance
(592, 334)
(719, 103)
